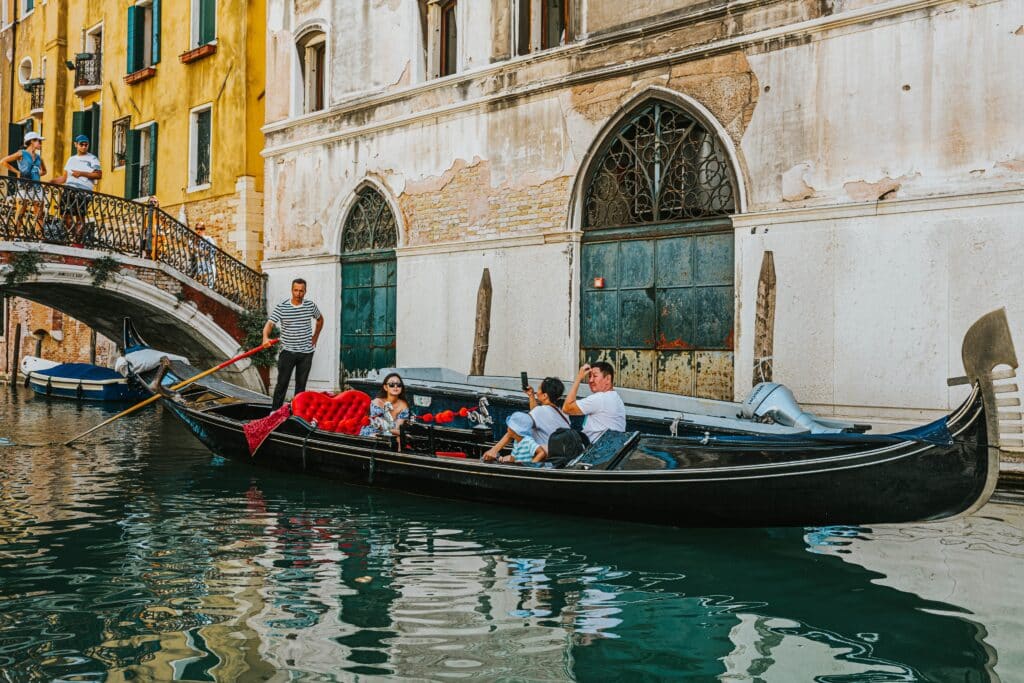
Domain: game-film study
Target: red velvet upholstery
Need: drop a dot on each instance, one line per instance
(347, 412)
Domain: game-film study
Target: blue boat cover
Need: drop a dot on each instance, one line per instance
(78, 371)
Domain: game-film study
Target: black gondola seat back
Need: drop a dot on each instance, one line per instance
(607, 452)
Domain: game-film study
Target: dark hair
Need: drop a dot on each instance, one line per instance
(553, 387)
(383, 393)
(299, 281)
(605, 368)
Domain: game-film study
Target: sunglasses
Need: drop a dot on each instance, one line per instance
(394, 385)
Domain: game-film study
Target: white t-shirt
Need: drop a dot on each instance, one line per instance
(604, 410)
(81, 162)
(546, 419)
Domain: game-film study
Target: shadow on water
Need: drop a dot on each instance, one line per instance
(143, 554)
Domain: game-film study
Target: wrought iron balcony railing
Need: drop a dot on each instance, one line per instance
(36, 89)
(57, 214)
(88, 70)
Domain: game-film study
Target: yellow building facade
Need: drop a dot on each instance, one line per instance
(170, 93)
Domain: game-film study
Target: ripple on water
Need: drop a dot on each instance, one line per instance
(139, 552)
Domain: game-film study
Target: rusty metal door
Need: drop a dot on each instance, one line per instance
(660, 310)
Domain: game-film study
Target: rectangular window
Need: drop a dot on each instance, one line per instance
(554, 23)
(199, 149)
(143, 41)
(140, 162)
(88, 123)
(523, 28)
(29, 6)
(88, 63)
(204, 22)
(449, 39)
(120, 137)
(313, 62)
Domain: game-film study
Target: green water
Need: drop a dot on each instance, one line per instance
(139, 556)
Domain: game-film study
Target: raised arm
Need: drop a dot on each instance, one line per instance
(569, 406)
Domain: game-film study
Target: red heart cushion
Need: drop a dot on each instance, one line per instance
(347, 412)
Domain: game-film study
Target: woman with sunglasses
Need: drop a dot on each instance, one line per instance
(389, 410)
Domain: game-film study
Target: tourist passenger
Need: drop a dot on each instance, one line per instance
(546, 415)
(389, 410)
(30, 167)
(604, 407)
(81, 172)
(525, 449)
(293, 316)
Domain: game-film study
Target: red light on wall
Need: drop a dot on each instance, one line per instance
(598, 283)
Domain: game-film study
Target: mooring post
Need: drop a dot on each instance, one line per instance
(764, 321)
(481, 337)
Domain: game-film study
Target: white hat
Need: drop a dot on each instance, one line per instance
(32, 135)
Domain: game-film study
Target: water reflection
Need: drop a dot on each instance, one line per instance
(142, 555)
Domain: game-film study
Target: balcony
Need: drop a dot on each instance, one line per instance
(36, 90)
(88, 73)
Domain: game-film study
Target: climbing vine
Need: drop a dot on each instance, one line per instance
(101, 269)
(23, 265)
(252, 323)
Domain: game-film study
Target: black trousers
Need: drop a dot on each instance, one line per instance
(286, 362)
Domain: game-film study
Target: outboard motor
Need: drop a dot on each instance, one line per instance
(770, 400)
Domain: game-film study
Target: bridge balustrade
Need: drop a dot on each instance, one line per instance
(57, 214)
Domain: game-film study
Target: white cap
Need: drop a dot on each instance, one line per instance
(32, 135)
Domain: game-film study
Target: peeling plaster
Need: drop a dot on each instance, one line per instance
(794, 183)
(885, 188)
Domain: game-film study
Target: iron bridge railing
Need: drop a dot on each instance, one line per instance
(56, 214)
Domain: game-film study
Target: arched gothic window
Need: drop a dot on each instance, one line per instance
(662, 165)
(370, 224)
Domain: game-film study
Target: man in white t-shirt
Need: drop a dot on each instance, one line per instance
(80, 174)
(604, 407)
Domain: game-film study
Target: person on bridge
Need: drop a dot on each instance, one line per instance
(30, 167)
(298, 341)
(80, 173)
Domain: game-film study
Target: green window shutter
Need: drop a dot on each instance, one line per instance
(207, 21)
(152, 159)
(79, 125)
(132, 56)
(131, 164)
(15, 141)
(156, 32)
(15, 137)
(94, 129)
(29, 4)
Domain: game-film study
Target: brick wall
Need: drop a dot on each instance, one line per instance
(73, 347)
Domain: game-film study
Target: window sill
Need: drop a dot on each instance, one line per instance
(37, 110)
(198, 53)
(82, 90)
(141, 75)
(198, 188)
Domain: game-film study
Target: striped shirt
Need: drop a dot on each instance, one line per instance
(294, 323)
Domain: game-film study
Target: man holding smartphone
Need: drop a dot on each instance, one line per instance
(604, 407)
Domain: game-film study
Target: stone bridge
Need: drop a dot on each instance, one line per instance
(126, 259)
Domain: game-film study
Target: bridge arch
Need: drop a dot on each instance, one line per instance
(170, 310)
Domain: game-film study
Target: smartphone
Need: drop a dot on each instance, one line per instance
(525, 379)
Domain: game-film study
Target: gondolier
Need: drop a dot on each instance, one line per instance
(298, 340)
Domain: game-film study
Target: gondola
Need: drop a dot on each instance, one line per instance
(939, 470)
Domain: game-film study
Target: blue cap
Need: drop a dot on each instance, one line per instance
(521, 423)
(81, 138)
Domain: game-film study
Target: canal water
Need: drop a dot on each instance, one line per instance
(140, 556)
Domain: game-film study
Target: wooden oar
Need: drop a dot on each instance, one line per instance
(177, 386)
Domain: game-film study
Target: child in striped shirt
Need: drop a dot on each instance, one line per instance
(524, 449)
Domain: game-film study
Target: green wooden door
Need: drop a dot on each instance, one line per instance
(368, 298)
(368, 285)
(661, 312)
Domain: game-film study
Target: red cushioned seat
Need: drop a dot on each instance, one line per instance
(347, 412)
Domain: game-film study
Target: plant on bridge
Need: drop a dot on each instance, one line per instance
(102, 268)
(252, 323)
(22, 266)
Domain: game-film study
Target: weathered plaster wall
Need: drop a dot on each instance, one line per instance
(918, 107)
